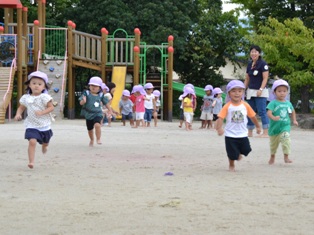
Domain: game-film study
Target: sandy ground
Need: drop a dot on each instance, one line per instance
(119, 187)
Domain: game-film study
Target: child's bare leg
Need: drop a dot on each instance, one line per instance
(272, 159)
(31, 152)
(187, 126)
(231, 165)
(155, 118)
(123, 122)
(148, 124)
(97, 127)
(132, 122)
(44, 148)
(203, 124)
(91, 137)
(286, 158)
(137, 123)
(181, 122)
(250, 133)
(240, 157)
(143, 123)
(109, 121)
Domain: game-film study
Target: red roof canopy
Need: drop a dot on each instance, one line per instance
(10, 3)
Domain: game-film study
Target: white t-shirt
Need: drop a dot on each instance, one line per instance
(33, 104)
(148, 104)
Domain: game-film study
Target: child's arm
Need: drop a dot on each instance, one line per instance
(19, 112)
(294, 118)
(154, 105)
(255, 121)
(219, 123)
(49, 109)
(271, 116)
(83, 100)
(214, 103)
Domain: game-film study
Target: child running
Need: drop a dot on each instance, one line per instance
(278, 111)
(236, 113)
(92, 101)
(39, 107)
(207, 108)
(156, 93)
(188, 107)
(126, 108)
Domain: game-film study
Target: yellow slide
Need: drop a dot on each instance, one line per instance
(6, 88)
(118, 78)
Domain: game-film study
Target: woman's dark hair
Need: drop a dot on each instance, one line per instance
(29, 90)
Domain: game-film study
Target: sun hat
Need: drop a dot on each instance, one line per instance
(140, 89)
(217, 90)
(38, 74)
(156, 93)
(126, 93)
(208, 88)
(96, 81)
(234, 84)
(279, 82)
(188, 85)
(148, 86)
(188, 90)
(104, 87)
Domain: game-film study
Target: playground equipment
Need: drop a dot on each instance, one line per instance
(58, 51)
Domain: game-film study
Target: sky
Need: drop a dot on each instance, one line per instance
(228, 6)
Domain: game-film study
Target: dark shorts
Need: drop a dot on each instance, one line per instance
(42, 137)
(90, 123)
(215, 117)
(148, 115)
(127, 117)
(181, 115)
(237, 146)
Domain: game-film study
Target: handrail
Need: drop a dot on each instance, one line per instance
(13, 66)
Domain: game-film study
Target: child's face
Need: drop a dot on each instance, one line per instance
(209, 92)
(149, 91)
(94, 89)
(281, 92)
(125, 98)
(219, 95)
(236, 94)
(137, 93)
(37, 85)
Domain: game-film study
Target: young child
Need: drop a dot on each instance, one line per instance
(149, 103)
(278, 111)
(39, 107)
(133, 98)
(236, 113)
(105, 111)
(156, 93)
(188, 107)
(181, 118)
(140, 93)
(92, 101)
(217, 104)
(207, 109)
(126, 108)
(111, 115)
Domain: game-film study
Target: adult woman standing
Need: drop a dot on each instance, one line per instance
(255, 81)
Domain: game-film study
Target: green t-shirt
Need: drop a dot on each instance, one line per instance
(284, 110)
(93, 106)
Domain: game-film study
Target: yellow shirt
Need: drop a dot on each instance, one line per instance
(187, 101)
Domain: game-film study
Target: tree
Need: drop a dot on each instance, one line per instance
(289, 48)
(211, 39)
(259, 10)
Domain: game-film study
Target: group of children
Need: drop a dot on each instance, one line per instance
(145, 102)
(212, 104)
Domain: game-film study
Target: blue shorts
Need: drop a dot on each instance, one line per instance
(42, 137)
(237, 146)
(90, 123)
(148, 115)
(127, 116)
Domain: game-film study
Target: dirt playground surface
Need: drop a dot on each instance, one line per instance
(147, 181)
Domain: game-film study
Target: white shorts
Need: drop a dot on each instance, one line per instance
(206, 116)
(139, 115)
(188, 117)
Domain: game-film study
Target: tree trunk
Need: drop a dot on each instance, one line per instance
(305, 99)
